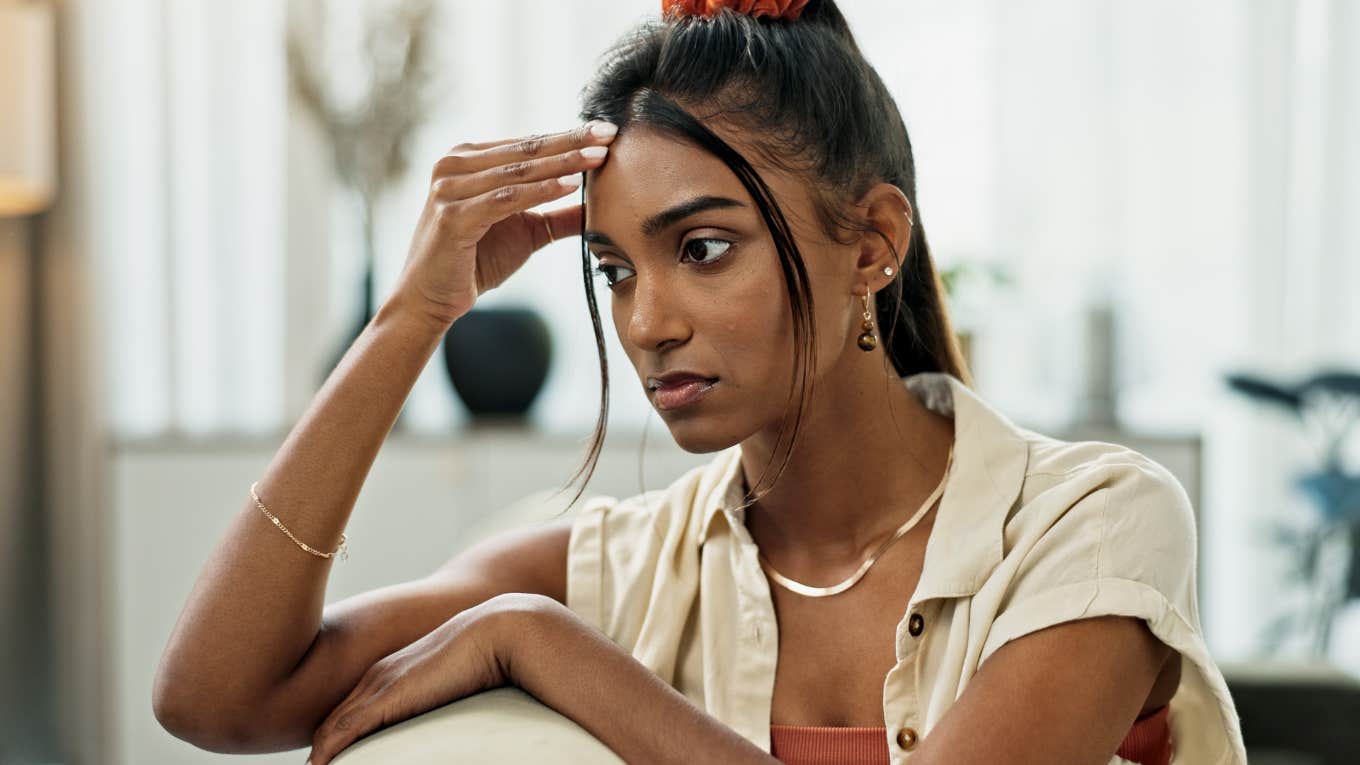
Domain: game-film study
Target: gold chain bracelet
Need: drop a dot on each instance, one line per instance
(342, 550)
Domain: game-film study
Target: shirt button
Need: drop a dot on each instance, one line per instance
(906, 738)
(916, 624)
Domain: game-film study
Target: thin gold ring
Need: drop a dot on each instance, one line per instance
(548, 226)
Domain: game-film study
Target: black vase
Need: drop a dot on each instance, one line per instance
(497, 359)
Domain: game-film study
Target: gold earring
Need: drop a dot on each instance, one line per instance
(867, 340)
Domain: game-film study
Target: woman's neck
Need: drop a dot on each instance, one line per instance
(867, 456)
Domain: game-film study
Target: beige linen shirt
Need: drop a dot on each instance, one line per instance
(1031, 532)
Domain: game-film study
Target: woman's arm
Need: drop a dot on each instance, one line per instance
(256, 610)
(577, 670)
(256, 607)
(1067, 693)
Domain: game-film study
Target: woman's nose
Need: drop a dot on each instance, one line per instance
(656, 321)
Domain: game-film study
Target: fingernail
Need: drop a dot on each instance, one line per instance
(570, 181)
(594, 152)
(604, 129)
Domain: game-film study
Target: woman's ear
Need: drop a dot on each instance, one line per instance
(889, 216)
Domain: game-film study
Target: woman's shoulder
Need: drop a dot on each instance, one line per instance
(1098, 528)
(1102, 529)
(1092, 511)
(1051, 456)
(1098, 476)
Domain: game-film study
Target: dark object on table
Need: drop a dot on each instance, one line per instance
(498, 359)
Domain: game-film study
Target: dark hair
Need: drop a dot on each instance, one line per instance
(821, 111)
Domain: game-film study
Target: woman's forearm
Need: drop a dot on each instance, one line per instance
(257, 604)
(581, 673)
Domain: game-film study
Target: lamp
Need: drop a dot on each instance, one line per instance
(28, 136)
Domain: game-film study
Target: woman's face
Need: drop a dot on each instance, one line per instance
(697, 284)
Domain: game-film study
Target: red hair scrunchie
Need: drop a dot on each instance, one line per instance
(777, 9)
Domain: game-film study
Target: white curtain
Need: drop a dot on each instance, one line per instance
(188, 173)
(1195, 164)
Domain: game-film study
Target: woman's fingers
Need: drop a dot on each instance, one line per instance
(471, 158)
(485, 210)
(561, 224)
(453, 188)
(564, 222)
(353, 718)
(475, 187)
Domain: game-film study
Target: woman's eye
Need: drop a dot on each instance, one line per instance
(607, 272)
(705, 248)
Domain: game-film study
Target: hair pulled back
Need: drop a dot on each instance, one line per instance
(815, 107)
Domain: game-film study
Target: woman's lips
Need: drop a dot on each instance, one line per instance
(681, 394)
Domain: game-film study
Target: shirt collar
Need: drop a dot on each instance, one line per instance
(991, 454)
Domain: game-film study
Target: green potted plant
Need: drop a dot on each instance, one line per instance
(967, 284)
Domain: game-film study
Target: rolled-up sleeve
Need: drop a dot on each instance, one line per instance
(1125, 547)
(1116, 539)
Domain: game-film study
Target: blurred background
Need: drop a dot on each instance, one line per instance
(1148, 214)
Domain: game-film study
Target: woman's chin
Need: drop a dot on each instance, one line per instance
(700, 425)
(701, 435)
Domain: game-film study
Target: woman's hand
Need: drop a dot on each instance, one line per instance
(475, 230)
(465, 655)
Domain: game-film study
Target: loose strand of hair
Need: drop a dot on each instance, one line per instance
(598, 436)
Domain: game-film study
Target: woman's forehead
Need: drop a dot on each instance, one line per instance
(642, 159)
(648, 170)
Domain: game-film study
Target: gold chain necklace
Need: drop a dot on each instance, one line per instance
(821, 592)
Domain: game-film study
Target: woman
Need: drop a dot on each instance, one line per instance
(876, 566)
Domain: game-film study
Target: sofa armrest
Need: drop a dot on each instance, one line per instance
(494, 727)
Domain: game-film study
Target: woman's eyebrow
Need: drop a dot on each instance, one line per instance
(670, 216)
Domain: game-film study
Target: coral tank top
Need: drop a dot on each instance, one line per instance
(1147, 743)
